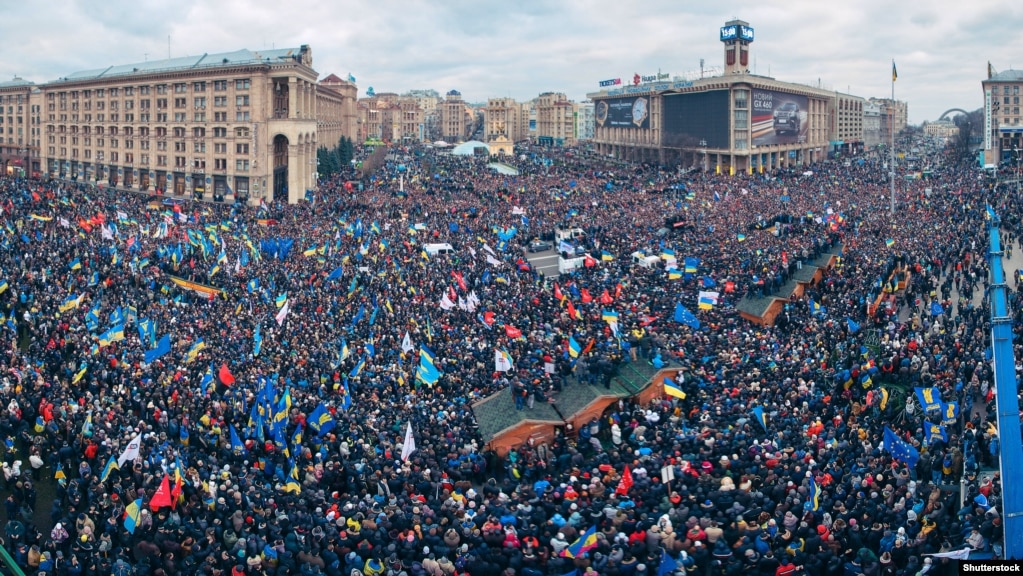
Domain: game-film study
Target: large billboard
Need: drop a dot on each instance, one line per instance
(779, 118)
(697, 120)
(632, 112)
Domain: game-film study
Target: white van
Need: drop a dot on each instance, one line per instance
(570, 235)
(435, 249)
(566, 265)
(644, 260)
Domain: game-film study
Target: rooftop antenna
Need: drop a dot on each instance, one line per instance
(701, 68)
(168, 46)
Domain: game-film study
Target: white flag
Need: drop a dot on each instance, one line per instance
(283, 313)
(409, 446)
(446, 303)
(462, 305)
(489, 250)
(132, 451)
(64, 222)
(963, 554)
(107, 233)
(406, 343)
(122, 215)
(493, 261)
(502, 361)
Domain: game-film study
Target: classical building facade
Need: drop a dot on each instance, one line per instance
(20, 128)
(501, 117)
(894, 117)
(456, 118)
(555, 119)
(871, 124)
(735, 122)
(1003, 131)
(584, 121)
(847, 124)
(240, 123)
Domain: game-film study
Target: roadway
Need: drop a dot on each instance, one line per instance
(545, 262)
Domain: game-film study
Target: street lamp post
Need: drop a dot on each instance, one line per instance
(703, 148)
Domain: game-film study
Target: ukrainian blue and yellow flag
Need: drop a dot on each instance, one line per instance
(132, 512)
(671, 388)
(574, 349)
(110, 467)
(814, 493)
(280, 300)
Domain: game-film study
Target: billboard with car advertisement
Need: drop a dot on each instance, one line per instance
(779, 118)
(633, 112)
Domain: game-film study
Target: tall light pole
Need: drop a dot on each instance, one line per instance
(703, 147)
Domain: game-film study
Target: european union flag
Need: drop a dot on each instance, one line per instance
(899, 449)
(936, 309)
(335, 274)
(684, 316)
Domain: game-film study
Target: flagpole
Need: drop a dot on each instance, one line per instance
(891, 120)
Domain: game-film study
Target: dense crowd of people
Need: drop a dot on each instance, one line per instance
(286, 389)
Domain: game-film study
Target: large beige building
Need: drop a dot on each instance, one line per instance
(847, 124)
(1003, 131)
(894, 117)
(19, 127)
(735, 122)
(244, 123)
(502, 117)
(456, 118)
(555, 119)
(391, 118)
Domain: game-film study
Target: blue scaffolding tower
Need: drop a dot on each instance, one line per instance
(1011, 452)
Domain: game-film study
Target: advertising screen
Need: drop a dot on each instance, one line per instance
(631, 112)
(779, 118)
(690, 119)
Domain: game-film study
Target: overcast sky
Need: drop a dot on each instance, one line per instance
(520, 48)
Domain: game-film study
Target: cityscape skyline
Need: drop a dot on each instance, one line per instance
(523, 50)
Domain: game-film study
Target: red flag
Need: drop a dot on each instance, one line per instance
(460, 279)
(512, 332)
(163, 495)
(176, 491)
(729, 286)
(618, 290)
(606, 298)
(572, 312)
(488, 318)
(589, 346)
(35, 196)
(85, 224)
(225, 375)
(589, 261)
(647, 320)
(557, 292)
(586, 296)
(625, 483)
(451, 294)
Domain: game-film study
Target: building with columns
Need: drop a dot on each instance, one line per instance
(245, 124)
(734, 122)
(456, 118)
(19, 128)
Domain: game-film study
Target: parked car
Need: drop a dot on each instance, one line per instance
(539, 246)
